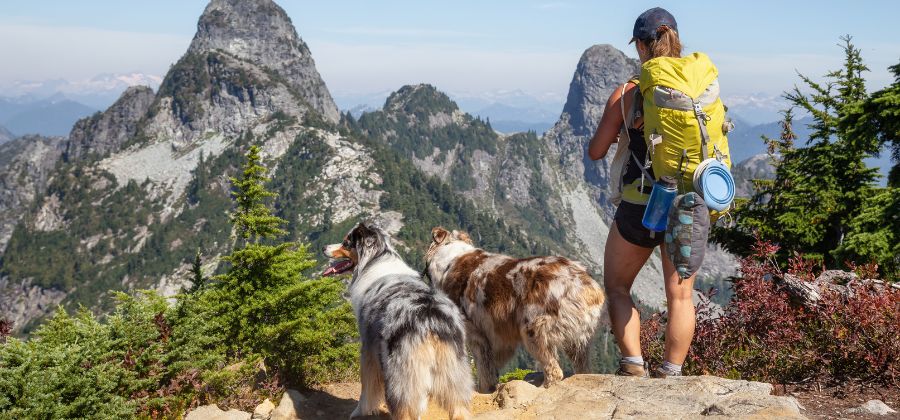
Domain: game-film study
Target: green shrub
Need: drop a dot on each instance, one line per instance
(516, 375)
(147, 359)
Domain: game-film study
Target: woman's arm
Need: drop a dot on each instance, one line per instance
(608, 129)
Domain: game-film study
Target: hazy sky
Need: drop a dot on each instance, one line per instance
(460, 46)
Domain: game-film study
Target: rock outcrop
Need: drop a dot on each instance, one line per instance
(21, 301)
(601, 69)
(584, 397)
(25, 167)
(260, 32)
(107, 132)
(607, 396)
(750, 169)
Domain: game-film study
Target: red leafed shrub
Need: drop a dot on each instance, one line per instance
(5, 329)
(760, 335)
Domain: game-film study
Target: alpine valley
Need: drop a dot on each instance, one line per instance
(126, 200)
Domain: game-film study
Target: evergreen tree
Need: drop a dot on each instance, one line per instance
(303, 327)
(875, 231)
(821, 188)
(253, 219)
(197, 278)
(879, 117)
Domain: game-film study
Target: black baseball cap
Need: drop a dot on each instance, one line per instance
(648, 22)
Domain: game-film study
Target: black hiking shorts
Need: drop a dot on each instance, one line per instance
(628, 220)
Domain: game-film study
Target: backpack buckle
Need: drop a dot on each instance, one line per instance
(700, 114)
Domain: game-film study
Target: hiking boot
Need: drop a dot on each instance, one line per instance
(631, 369)
(661, 373)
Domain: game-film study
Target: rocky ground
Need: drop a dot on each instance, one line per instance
(608, 396)
(846, 402)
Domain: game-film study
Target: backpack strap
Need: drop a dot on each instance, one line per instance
(622, 106)
(628, 116)
(627, 120)
(702, 118)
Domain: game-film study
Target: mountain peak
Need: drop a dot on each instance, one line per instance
(421, 98)
(260, 31)
(239, 27)
(600, 70)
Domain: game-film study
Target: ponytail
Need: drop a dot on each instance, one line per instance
(666, 43)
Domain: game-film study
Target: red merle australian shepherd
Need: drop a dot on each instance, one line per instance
(544, 303)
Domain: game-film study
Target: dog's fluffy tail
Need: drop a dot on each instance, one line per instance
(432, 366)
(428, 359)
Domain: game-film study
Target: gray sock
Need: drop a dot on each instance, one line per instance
(671, 368)
(633, 360)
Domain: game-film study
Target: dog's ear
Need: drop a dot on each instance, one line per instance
(439, 234)
(463, 236)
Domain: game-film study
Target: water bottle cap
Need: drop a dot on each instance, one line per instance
(668, 182)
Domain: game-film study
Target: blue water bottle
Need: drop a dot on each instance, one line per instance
(657, 213)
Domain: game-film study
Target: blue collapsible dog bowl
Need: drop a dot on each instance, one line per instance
(713, 181)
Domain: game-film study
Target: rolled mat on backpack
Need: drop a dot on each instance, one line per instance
(687, 233)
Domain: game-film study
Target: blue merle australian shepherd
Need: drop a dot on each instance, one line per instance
(413, 343)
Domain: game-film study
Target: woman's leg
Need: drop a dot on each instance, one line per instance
(682, 318)
(622, 261)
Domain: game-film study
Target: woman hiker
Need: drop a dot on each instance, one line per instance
(630, 243)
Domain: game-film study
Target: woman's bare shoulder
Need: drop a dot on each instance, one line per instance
(617, 92)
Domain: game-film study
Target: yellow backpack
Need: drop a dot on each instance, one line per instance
(684, 121)
(683, 124)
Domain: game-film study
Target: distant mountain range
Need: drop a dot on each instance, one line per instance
(758, 108)
(98, 92)
(51, 107)
(52, 116)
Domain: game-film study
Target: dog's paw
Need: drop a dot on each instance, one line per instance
(486, 389)
(552, 379)
(360, 411)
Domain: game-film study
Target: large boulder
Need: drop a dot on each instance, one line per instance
(872, 407)
(290, 406)
(608, 396)
(264, 410)
(213, 412)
